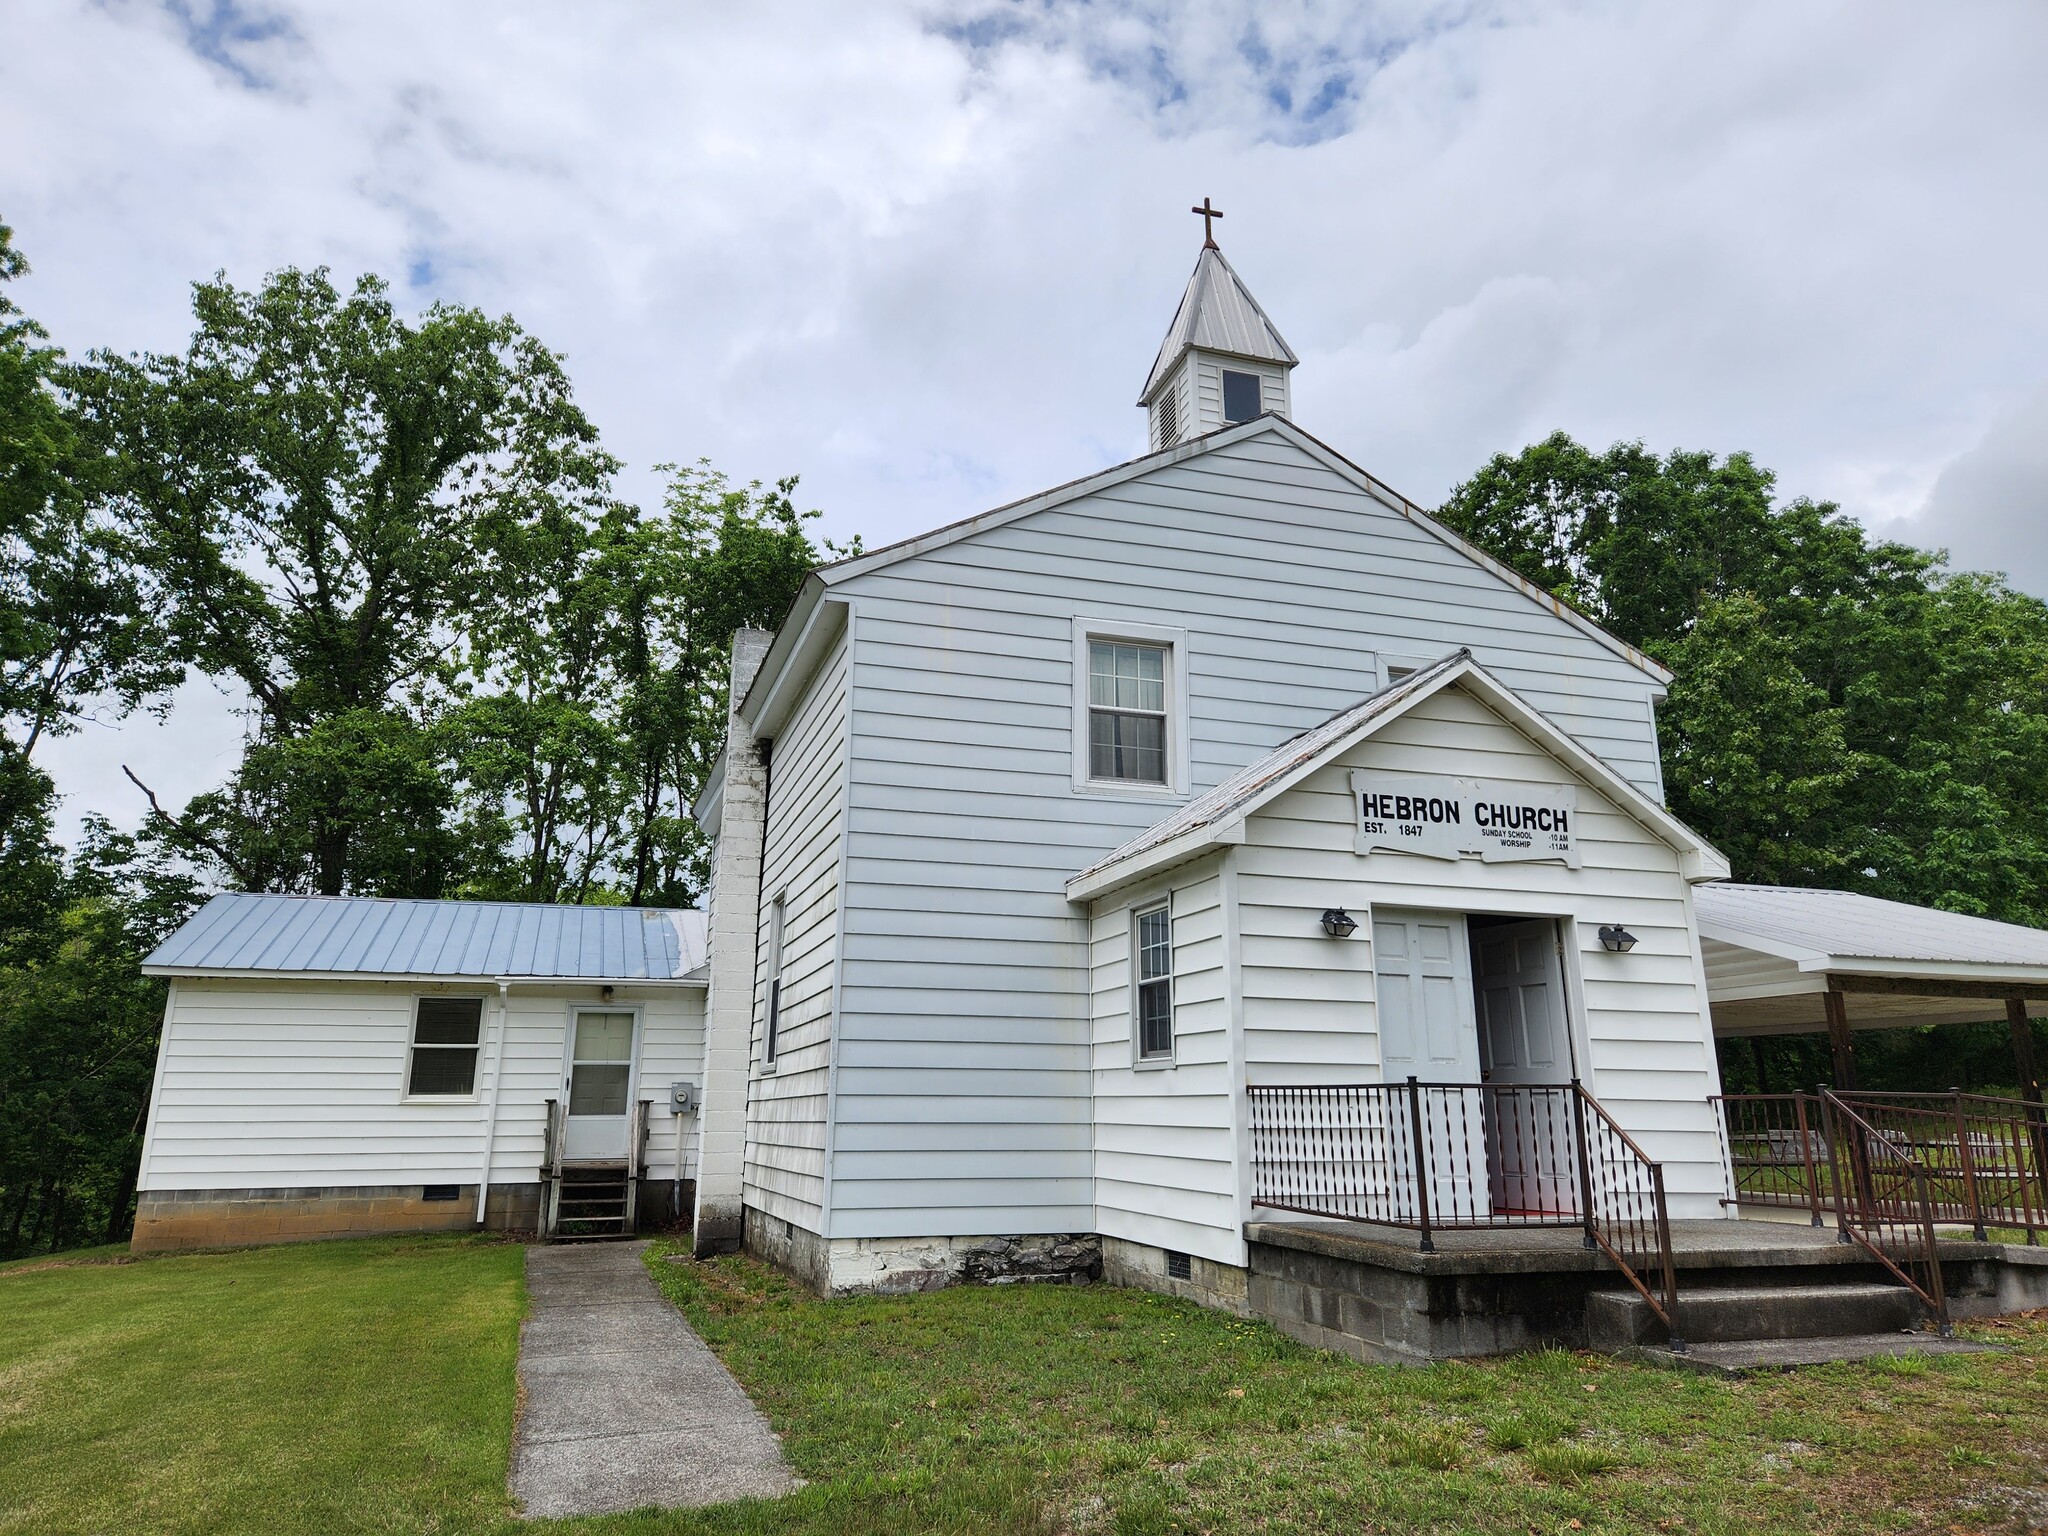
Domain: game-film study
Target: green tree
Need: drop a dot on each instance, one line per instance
(74, 628)
(321, 496)
(78, 1032)
(718, 558)
(1847, 711)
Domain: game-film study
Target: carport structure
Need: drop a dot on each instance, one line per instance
(1782, 961)
(1891, 1165)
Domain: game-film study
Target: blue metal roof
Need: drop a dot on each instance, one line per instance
(237, 934)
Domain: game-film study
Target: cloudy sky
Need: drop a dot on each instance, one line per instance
(921, 255)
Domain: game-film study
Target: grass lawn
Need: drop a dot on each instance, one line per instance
(368, 1387)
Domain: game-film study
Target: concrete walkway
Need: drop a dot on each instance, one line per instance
(622, 1405)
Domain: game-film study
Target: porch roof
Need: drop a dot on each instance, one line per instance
(1773, 952)
(238, 934)
(1217, 816)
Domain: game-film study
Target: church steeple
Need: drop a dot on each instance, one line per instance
(1222, 359)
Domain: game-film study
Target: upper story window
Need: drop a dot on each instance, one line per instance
(1127, 712)
(1152, 946)
(1131, 708)
(1240, 395)
(445, 1039)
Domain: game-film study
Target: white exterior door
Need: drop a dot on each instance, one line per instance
(1423, 980)
(1422, 972)
(1523, 1043)
(600, 1084)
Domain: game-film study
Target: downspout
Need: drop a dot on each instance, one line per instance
(497, 1064)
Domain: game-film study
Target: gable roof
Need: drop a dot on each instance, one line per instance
(1217, 817)
(1218, 313)
(821, 581)
(237, 934)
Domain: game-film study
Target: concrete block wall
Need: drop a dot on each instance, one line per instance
(166, 1220)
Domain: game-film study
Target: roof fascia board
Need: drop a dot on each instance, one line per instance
(789, 636)
(708, 810)
(1763, 944)
(420, 978)
(1335, 461)
(822, 628)
(1073, 490)
(1010, 512)
(1191, 844)
(1699, 861)
(1988, 971)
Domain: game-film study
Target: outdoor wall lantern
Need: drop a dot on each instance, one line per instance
(1339, 924)
(1617, 938)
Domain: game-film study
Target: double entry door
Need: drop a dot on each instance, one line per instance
(1477, 1005)
(598, 1078)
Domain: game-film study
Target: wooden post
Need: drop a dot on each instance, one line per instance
(2030, 1091)
(2023, 1048)
(1837, 1008)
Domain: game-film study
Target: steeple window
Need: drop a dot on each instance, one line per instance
(1240, 395)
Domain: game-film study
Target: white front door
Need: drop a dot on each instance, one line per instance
(1422, 972)
(1424, 984)
(1523, 1042)
(600, 1084)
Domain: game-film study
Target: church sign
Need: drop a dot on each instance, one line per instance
(1441, 818)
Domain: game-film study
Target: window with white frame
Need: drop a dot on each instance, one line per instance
(1127, 720)
(771, 1037)
(1152, 989)
(446, 1036)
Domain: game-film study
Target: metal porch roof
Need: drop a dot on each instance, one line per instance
(237, 934)
(1821, 930)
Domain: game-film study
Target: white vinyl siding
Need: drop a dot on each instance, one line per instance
(800, 875)
(963, 1078)
(1642, 1034)
(298, 1084)
(1164, 1160)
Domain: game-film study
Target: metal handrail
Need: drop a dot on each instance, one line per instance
(1437, 1157)
(1986, 1156)
(1887, 1208)
(1635, 1238)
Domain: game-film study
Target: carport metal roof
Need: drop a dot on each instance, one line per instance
(1774, 955)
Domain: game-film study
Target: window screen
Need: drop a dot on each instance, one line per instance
(1126, 712)
(1240, 396)
(1155, 983)
(445, 1032)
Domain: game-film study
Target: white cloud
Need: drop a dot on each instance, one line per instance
(1989, 508)
(922, 255)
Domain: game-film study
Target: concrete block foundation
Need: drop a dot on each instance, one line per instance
(166, 1220)
(1223, 1287)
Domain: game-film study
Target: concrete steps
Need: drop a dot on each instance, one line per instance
(1738, 1314)
(1734, 1329)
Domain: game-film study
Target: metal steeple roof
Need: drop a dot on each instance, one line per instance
(1217, 314)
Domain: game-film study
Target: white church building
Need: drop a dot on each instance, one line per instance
(1211, 838)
